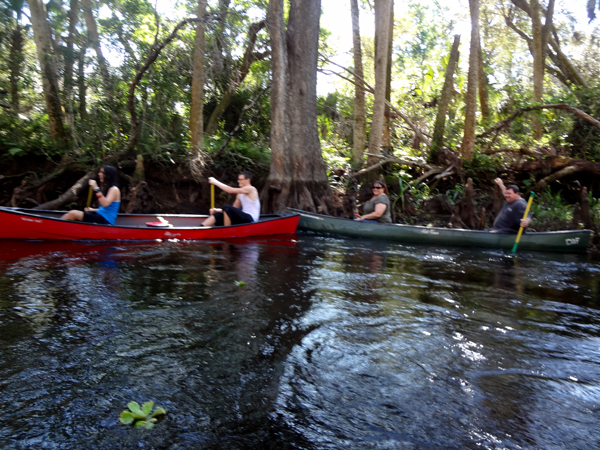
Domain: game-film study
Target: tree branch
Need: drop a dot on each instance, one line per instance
(503, 124)
(371, 90)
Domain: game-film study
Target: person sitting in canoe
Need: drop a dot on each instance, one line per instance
(245, 209)
(510, 217)
(109, 198)
(377, 209)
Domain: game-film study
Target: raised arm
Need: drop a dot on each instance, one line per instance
(500, 184)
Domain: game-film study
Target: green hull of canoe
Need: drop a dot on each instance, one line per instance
(561, 241)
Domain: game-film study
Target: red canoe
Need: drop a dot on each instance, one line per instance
(19, 223)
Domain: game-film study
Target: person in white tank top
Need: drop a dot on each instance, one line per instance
(245, 209)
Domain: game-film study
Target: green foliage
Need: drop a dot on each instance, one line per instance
(481, 164)
(141, 417)
(550, 212)
(240, 283)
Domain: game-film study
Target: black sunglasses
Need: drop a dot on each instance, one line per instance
(377, 187)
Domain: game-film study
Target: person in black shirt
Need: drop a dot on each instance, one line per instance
(510, 217)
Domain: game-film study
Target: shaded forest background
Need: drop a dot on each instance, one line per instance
(436, 101)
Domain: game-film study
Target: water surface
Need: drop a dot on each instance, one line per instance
(328, 344)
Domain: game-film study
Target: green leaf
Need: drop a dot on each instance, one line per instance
(147, 408)
(134, 407)
(144, 424)
(240, 283)
(126, 418)
(16, 151)
(158, 412)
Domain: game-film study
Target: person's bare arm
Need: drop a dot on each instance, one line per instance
(500, 184)
(376, 214)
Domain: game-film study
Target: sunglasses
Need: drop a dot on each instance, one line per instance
(377, 187)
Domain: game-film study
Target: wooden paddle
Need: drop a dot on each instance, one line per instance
(514, 249)
(212, 196)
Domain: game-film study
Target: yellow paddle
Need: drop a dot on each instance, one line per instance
(89, 201)
(212, 196)
(514, 249)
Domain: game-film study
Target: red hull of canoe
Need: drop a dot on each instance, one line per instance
(32, 224)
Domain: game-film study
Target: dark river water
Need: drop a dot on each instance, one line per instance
(304, 343)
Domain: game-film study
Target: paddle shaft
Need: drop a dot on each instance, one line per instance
(514, 249)
(89, 200)
(212, 196)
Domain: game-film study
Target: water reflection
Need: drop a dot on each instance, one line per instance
(328, 344)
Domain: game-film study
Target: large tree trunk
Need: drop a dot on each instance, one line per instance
(382, 24)
(484, 104)
(538, 63)
(70, 57)
(247, 60)
(92, 28)
(45, 51)
(81, 87)
(468, 143)
(298, 175)
(197, 106)
(386, 138)
(15, 62)
(446, 97)
(360, 112)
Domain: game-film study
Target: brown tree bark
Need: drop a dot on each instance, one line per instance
(297, 177)
(15, 64)
(446, 96)
(484, 104)
(382, 24)
(197, 105)
(468, 142)
(70, 57)
(81, 86)
(47, 59)
(360, 113)
(386, 138)
(249, 57)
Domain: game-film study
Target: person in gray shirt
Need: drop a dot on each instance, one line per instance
(378, 208)
(510, 217)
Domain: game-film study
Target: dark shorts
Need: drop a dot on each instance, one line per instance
(237, 216)
(94, 217)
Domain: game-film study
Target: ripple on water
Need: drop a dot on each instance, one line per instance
(329, 344)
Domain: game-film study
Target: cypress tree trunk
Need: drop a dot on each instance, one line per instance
(197, 106)
(468, 143)
(297, 177)
(70, 61)
(360, 113)
(47, 59)
(440, 121)
(15, 64)
(81, 87)
(386, 138)
(484, 104)
(382, 24)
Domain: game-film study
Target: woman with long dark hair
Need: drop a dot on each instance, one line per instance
(109, 198)
(378, 208)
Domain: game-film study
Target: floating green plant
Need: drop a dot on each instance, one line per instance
(240, 283)
(141, 417)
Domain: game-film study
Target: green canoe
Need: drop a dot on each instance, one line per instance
(561, 241)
